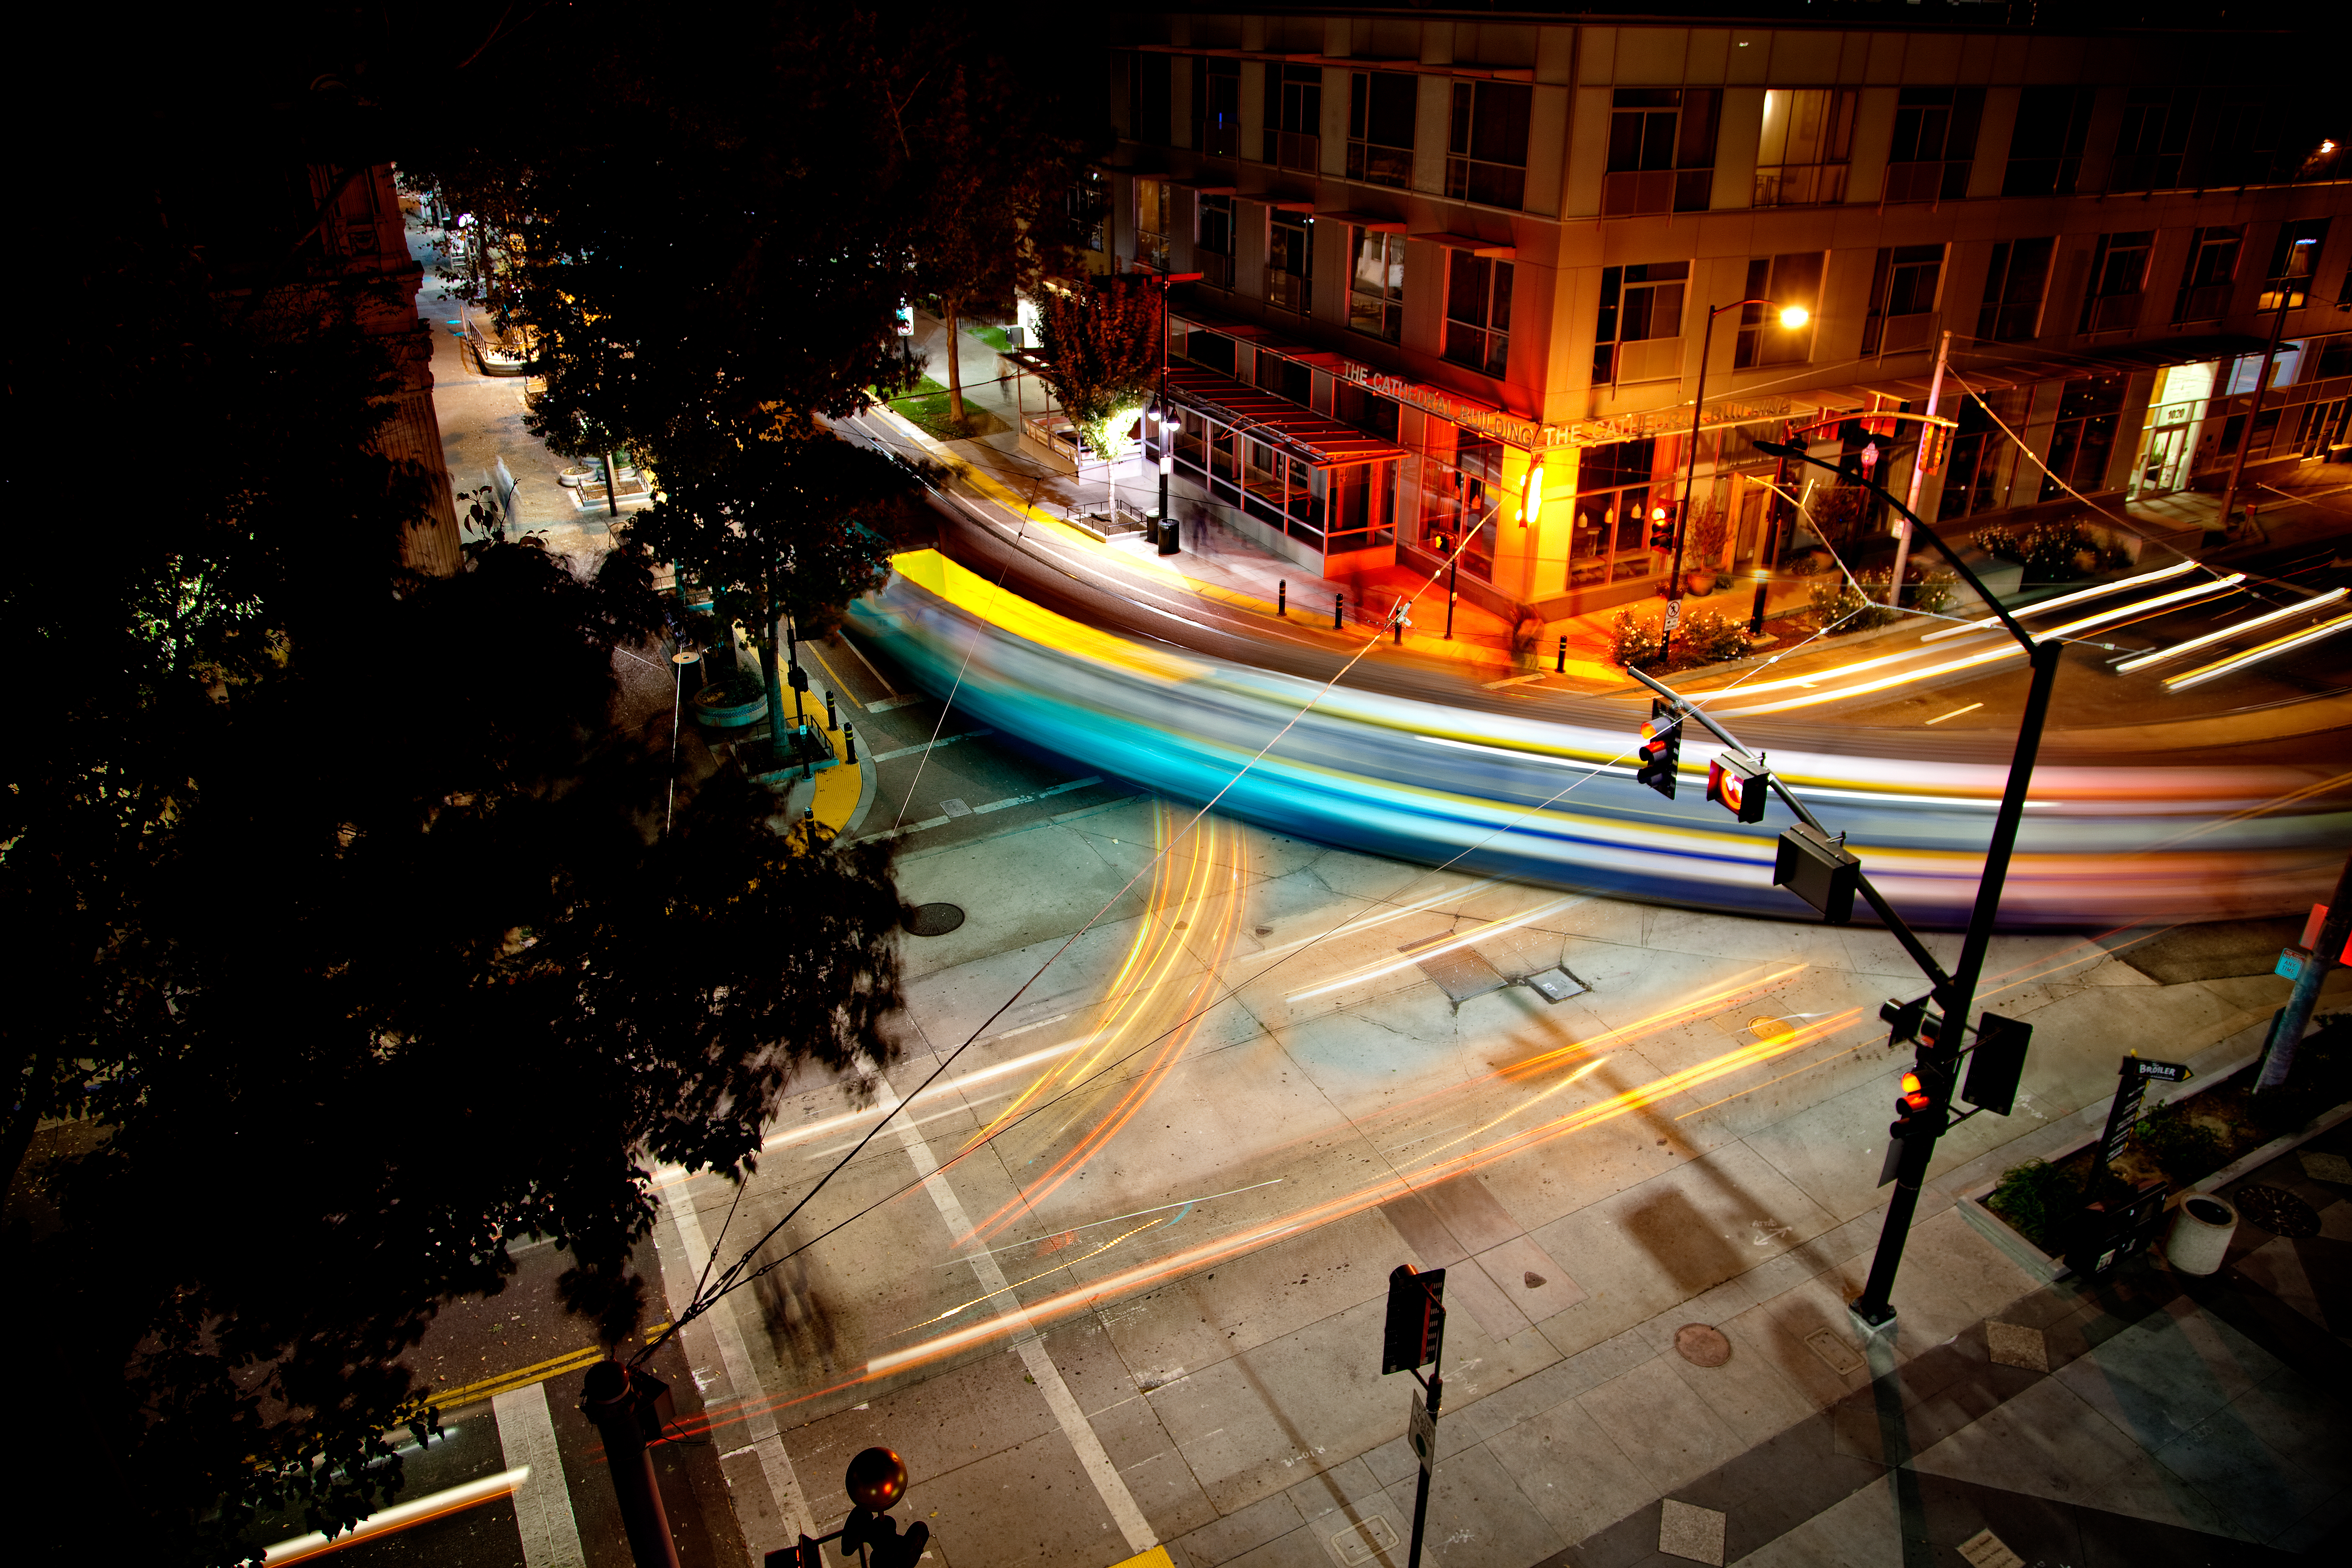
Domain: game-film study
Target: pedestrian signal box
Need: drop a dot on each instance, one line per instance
(1738, 783)
(1817, 868)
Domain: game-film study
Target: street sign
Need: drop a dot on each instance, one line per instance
(1673, 614)
(2163, 1072)
(1421, 1428)
(2134, 1077)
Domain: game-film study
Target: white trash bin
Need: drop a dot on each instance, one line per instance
(2201, 1229)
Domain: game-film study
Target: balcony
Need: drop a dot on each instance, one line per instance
(1293, 150)
(1800, 185)
(1288, 291)
(1216, 271)
(1489, 184)
(1377, 166)
(1152, 249)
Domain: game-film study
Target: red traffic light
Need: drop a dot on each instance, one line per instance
(1915, 1094)
(1738, 783)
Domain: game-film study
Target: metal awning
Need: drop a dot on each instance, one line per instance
(1308, 436)
(1499, 250)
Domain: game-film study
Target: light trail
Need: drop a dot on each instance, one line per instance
(1449, 944)
(402, 1516)
(2235, 628)
(2006, 648)
(2254, 656)
(1143, 1276)
(2080, 595)
(1015, 1285)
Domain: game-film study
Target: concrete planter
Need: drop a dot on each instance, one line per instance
(2199, 1238)
(713, 707)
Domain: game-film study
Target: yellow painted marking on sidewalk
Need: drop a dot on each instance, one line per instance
(1156, 1558)
(523, 1377)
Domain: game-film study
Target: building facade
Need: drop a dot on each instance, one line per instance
(1502, 250)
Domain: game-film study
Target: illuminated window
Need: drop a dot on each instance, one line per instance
(1808, 139)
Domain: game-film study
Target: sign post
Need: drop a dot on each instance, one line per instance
(2106, 1234)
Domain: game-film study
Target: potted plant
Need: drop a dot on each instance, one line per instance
(1707, 536)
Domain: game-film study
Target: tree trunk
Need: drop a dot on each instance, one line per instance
(955, 366)
(611, 482)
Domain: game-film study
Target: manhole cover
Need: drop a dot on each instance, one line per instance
(2277, 1211)
(1701, 1345)
(1769, 1028)
(934, 919)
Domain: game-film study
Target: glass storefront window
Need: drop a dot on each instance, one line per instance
(1611, 538)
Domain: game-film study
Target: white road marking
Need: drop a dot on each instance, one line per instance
(889, 702)
(923, 746)
(1073, 1421)
(543, 1503)
(743, 1385)
(1004, 805)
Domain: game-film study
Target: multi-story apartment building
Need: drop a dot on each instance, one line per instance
(1460, 274)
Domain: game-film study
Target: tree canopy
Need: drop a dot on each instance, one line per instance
(1101, 342)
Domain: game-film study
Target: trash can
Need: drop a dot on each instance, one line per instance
(2201, 1229)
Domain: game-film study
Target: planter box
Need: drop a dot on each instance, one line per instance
(2048, 1270)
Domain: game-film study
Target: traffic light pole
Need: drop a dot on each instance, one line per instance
(1435, 1384)
(1954, 993)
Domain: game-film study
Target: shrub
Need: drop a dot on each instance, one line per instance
(1634, 642)
(1931, 595)
(2038, 1200)
(1708, 637)
(1840, 608)
(2185, 1149)
(2053, 551)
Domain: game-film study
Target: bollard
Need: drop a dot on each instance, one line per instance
(1396, 624)
(1167, 538)
(849, 742)
(613, 1399)
(1338, 607)
(1282, 600)
(1756, 617)
(1560, 665)
(808, 752)
(832, 718)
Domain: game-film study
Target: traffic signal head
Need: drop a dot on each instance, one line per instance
(1914, 1095)
(878, 1533)
(1997, 1063)
(1818, 869)
(1736, 782)
(1416, 1318)
(1662, 747)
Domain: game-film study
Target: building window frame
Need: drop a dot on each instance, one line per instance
(1376, 284)
(1934, 144)
(2118, 288)
(2045, 149)
(2294, 259)
(2017, 287)
(1217, 105)
(1212, 239)
(2152, 141)
(1806, 146)
(1376, 122)
(1794, 278)
(1293, 117)
(1289, 261)
(1661, 154)
(1905, 294)
(1478, 312)
(2210, 276)
(1614, 532)
(1153, 204)
(1638, 334)
(1487, 143)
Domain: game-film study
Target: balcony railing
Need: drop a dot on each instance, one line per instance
(1288, 291)
(1800, 185)
(1904, 334)
(1630, 192)
(1651, 358)
(1380, 166)
(1484, 351)
(2115, 313)
(1152, 249)
(1293, 150)
(1490, 184)
(2204, 302)
(1216, 271)
(1928, 181)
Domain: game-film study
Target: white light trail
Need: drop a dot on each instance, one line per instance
(1494, 928)
(2233, 629)
(2253, 656)
(2079, 596)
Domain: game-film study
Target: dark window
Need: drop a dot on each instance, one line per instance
(2088, 411)
(1935, 139)
(1661, 150)
(1487, 143)
(1352, 404)
(1210, 351)
(2240, 140)
(2118, 278)
(2045, 151)
(2153, 138)
(1290, 261)
(1785, 280)
(1639, 335)
(1284, 377)
(1903, 299)
(1148, 97)
(2206, 284)
(1088, 209)
(1807, 142)
(1216, 106)
(1478, 312)
(1152, 207)
(2293, 259)
(1380, 106)
(1975, 476)
(1294, 116)
(2020, 277)
(1376, 285)
(1213, 240)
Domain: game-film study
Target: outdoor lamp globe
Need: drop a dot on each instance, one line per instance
(1795, 316)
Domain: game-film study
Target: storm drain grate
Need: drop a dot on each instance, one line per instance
(1459, 972)
(933, 920)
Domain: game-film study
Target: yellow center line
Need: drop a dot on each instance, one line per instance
(523, 1377)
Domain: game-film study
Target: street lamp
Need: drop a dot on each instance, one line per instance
(1791, 317)
(1166, 443)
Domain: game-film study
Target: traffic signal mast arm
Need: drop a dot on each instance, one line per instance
(1894, 922)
